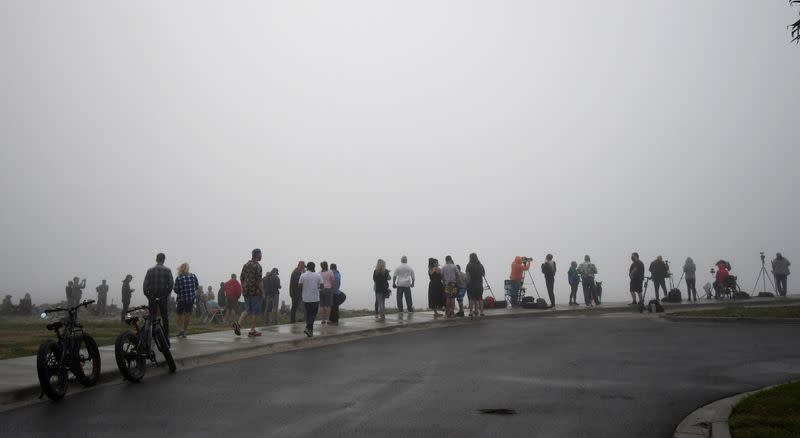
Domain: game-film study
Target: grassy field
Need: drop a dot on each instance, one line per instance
(774, 413)
(746, 312)
(21, 336)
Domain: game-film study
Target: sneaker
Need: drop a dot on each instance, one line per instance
(181, 334)
(237, 330)
(324, 322)
(460, 314)
(308, 333)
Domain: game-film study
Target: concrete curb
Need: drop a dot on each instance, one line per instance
(711, 420)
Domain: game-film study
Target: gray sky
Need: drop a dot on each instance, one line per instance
(352, 130)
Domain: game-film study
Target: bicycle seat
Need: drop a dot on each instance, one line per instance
(55, 325)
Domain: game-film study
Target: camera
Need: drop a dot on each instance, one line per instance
(763, 257)
(527, 259)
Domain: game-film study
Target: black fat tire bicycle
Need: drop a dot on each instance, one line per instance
(134, 348)
(73, 350)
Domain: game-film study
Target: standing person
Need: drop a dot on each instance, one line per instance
(435, 287)
(69, 293)
(221, 295)
(462, 291)
(518, 268)
(587, 270)
(450, 278)
(186, 285)
(126, 295)
(102, 298)
(549, 271)
(690, 271)
(233, 290)
(403, 280)
(574, 280)
(326, 295)
(295, 290)
(310, 283)
(338, 295)
(272, 287)
(475, 274)
(253, 291)
(659, 272)
(157, 286)
(77, 290)
(381, 279)
(780, 269)
(636, 275)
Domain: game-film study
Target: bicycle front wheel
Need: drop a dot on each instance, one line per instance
(53, 377)
(87, 364)
(131, 364)
(161, 342)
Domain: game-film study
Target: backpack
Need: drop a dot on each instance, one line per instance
(655, 305)
(766, 295)
(741, 295)
(531, 303)
(673, 296)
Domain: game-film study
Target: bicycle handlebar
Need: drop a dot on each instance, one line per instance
(69, 309)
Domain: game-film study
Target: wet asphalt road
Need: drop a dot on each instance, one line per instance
(598, 376)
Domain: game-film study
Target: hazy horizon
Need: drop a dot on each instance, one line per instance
(355, 130)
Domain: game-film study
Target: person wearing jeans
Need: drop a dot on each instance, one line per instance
(659, 272)
(381, 279)
(690, 271)
(157, 286)
(310, 283)
(403, 280)
(587, 270)
(549, 271)
(780, 269)
(574, 281)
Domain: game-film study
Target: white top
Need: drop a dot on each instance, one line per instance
(310, 282)
(404, 274)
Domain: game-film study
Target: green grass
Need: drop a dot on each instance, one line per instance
(21, 336)
(746, 312)
(774, 413)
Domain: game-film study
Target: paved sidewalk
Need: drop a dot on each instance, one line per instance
(20, 381)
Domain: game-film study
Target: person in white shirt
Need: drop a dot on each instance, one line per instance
(311, 283)
(403, 280)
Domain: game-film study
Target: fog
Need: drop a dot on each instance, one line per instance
(349, 131)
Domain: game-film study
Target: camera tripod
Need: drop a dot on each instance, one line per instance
(763, 276)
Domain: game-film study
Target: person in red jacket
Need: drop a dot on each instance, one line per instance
(233, 290)
(722, 275)
(518, 268)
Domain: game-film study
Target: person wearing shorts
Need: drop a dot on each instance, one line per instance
(450, 277)
(636, 274)
(185, 286)
(253, 291)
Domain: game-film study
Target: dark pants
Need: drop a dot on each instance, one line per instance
(588, 290)
(780, 285)
(296, 300)
(660, 282)
(161, 306)
(550, 283)
(311, 314)
(691, 289)
(573, 293)
(334, 310)
(101, 304)
(125, 305)
(516, 285)
(401, 292)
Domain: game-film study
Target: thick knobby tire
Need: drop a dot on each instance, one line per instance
(87, 364)
(53, 378)
(161, 342)
(131, 364)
